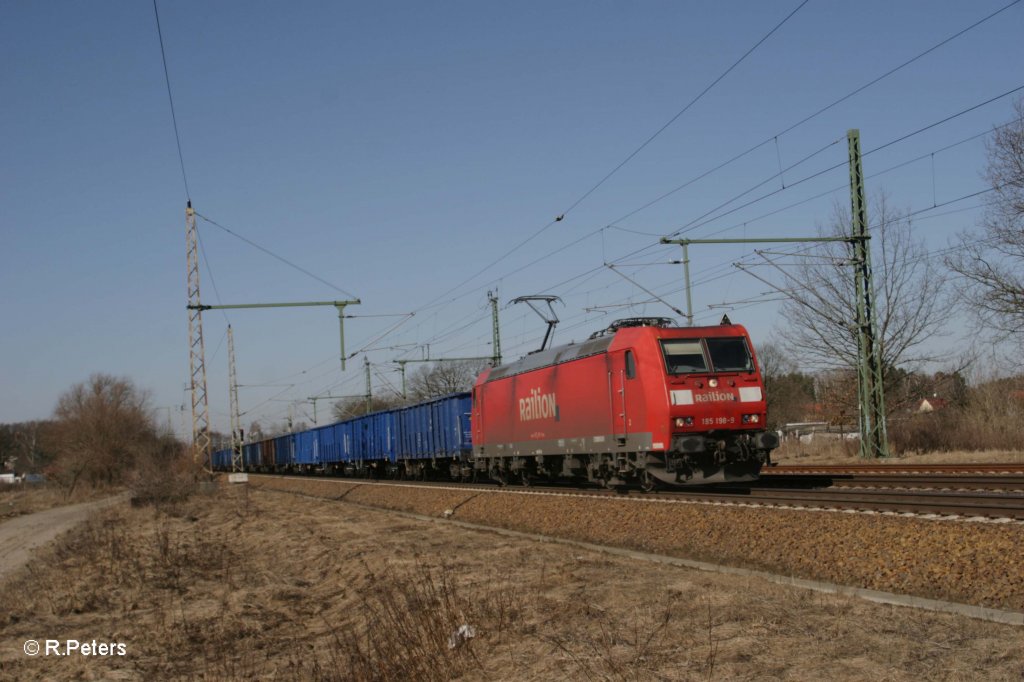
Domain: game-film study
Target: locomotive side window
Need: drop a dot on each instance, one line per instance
(729, 355)
(630, 365)
(684, 356)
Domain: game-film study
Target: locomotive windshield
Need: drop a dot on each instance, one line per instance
(686, 356)
(729, 355)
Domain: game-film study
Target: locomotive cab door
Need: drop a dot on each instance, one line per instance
(622, 370)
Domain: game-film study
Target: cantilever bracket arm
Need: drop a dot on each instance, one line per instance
(340, 305)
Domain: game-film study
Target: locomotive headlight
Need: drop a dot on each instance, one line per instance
(751, 418)
(684, 421)
(713, 383)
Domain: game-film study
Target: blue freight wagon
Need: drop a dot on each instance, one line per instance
(435, 434)
(284, 450)
(374, 438)
(307, 450)
(221, 460)
(251, 458)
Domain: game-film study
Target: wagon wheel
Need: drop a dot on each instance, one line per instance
(648, 482)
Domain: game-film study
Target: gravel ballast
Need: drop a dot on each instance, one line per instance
(968, 562)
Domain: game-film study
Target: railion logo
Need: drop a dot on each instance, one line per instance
(714, 397)
(537, 406)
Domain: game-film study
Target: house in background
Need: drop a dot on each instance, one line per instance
(932, 404)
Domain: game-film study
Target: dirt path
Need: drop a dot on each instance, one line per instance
(19, 536)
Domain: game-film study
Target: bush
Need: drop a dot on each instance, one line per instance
(102, 427)
(164, 474)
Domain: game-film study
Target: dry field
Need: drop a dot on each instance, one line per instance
(247, 584)
(846, 453)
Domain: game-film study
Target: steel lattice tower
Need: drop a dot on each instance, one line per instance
(236, 418)
(873, 432)
(495, 330)
(196, 347)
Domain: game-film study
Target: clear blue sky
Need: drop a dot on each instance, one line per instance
(396, 148)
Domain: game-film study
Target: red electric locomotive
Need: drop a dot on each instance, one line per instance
(641, 402)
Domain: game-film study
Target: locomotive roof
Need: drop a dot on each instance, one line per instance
(575, 351)
(552, 356)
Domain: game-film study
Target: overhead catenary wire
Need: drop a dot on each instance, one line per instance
(910, 214)
(686, 108)
(209, 272)
(793, 126)
(625, 161)
(876, 174)
(592, 271)
(170, 97)
(704, 219)
(814, 115)
(275, 256)
(707, 280)
(707, 218)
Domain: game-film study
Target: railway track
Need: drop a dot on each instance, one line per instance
(1006, 482)
(1009, 469)
(912, 501)
(1003, 504)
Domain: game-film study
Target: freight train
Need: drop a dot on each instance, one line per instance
(639, 403)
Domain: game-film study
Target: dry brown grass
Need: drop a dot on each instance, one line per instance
(26, 498)
(269, 585)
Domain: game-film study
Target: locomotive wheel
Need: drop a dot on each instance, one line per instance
(524, 478)
(648, 483)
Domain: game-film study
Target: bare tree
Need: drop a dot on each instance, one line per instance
(356, 406)
(102, 427)
(443, 378)
(909, 293)
(993, 264)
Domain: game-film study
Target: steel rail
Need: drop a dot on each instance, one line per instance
(997, 505)
(937, 481)
(896, 468)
